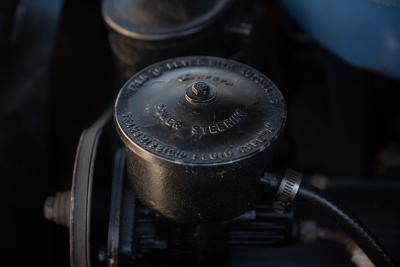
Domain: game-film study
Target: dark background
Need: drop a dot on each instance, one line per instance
(55, 80)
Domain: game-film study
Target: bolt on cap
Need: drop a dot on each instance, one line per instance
(200, 93)
(201, 89)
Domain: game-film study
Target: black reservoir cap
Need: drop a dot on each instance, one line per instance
(199, 111)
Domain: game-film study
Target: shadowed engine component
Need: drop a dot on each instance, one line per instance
(199, 132)
(143, 32)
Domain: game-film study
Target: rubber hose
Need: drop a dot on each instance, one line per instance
(350, 225)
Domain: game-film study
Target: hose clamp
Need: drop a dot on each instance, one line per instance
(287, 190)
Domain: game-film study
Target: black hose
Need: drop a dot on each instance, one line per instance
(350, 224)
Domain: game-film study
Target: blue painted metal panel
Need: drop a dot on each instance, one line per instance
(365, 33)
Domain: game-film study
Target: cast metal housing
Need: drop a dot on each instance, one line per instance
(199, 133)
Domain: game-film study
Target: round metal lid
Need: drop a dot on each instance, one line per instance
(159, 20)
(199, 110)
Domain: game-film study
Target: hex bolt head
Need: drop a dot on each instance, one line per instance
(56, 208)
(201, 89)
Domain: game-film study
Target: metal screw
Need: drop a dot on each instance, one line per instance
(201, 89)
(56, 208)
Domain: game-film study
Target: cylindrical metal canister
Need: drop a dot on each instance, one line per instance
(199, 133)
(143, 32)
